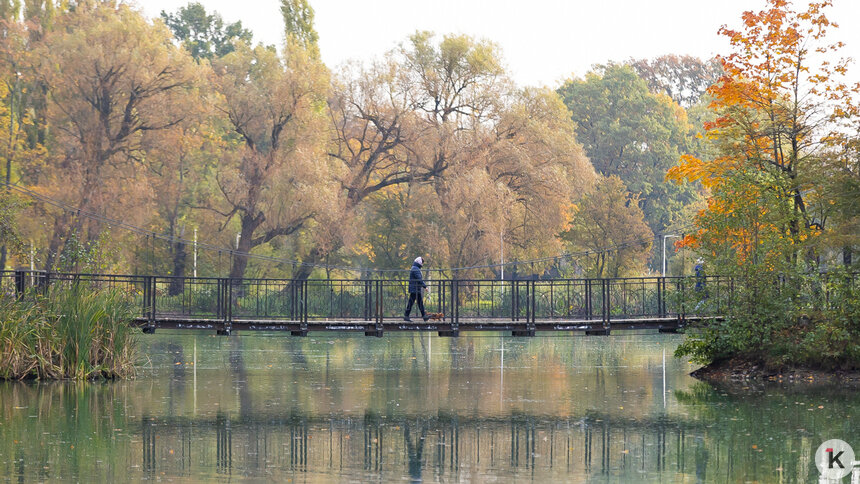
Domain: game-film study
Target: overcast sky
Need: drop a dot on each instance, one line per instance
(543, 41)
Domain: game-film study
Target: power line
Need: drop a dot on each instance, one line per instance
(294, 262)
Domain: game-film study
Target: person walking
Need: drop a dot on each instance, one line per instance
(701, 280)
(416, 289)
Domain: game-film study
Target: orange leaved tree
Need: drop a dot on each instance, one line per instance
(777, 108)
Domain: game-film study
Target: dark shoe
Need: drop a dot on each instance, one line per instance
(406, 318)
(426, 318)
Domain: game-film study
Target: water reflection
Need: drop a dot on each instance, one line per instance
(420, 447)
(418, 409)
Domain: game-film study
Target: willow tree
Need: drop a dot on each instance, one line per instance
(395, 125)
(399, 123)
(178, 162)
(509, 155)
(273, 176)
(109, 72)
(444, 155)
(538, 170)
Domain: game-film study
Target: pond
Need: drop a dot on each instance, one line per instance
(416, 407)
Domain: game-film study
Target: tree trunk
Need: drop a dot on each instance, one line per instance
(303, 272)
(240, 261)
(60, 233)
(177, 284)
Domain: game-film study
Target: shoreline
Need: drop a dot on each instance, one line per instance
(740, 371)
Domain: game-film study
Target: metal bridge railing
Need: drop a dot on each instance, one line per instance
(373, 301)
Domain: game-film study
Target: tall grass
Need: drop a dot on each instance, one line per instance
(73, 332)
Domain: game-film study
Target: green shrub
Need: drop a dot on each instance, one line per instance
(73, 332)
(810, 321)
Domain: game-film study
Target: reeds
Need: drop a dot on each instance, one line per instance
(73, 332)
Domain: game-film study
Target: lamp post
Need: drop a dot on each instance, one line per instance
(502, 251)
(664, 251)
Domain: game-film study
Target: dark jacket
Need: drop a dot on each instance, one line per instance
(416, 282)
(700, 276)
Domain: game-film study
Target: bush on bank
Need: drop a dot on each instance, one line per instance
(71, 333)
(781, 323)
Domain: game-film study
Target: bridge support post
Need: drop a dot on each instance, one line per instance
(661, 295)
(530, 311)
(226, 286)
(303, 310)
(454, 331)
(149, 304)
(514, 299)
(605, 310)
(44, 282)
(588, 305)
(376, 329)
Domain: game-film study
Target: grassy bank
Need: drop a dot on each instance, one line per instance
(70, 333)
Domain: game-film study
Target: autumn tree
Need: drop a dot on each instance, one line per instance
(443, 155)
(535, 171)
(398, 123)
(15, 117)
(609, 231)
(509, 156)
(781, 110)
(179, 162)
(273, 177)
(109, 73)
(773, 110)
(204, 35)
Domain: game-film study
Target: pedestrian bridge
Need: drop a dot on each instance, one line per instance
(375, 306)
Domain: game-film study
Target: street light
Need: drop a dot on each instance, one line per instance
(502, 251)
(664, 252)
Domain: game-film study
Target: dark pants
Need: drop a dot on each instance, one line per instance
(412, 297)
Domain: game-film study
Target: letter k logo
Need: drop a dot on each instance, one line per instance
(834, 459)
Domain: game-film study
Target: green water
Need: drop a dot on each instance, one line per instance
(415, 407)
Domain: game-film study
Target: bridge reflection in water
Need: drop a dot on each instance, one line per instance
(459, 446)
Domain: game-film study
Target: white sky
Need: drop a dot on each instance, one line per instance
(543, 41)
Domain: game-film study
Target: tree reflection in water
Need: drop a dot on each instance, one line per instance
(336, 413)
